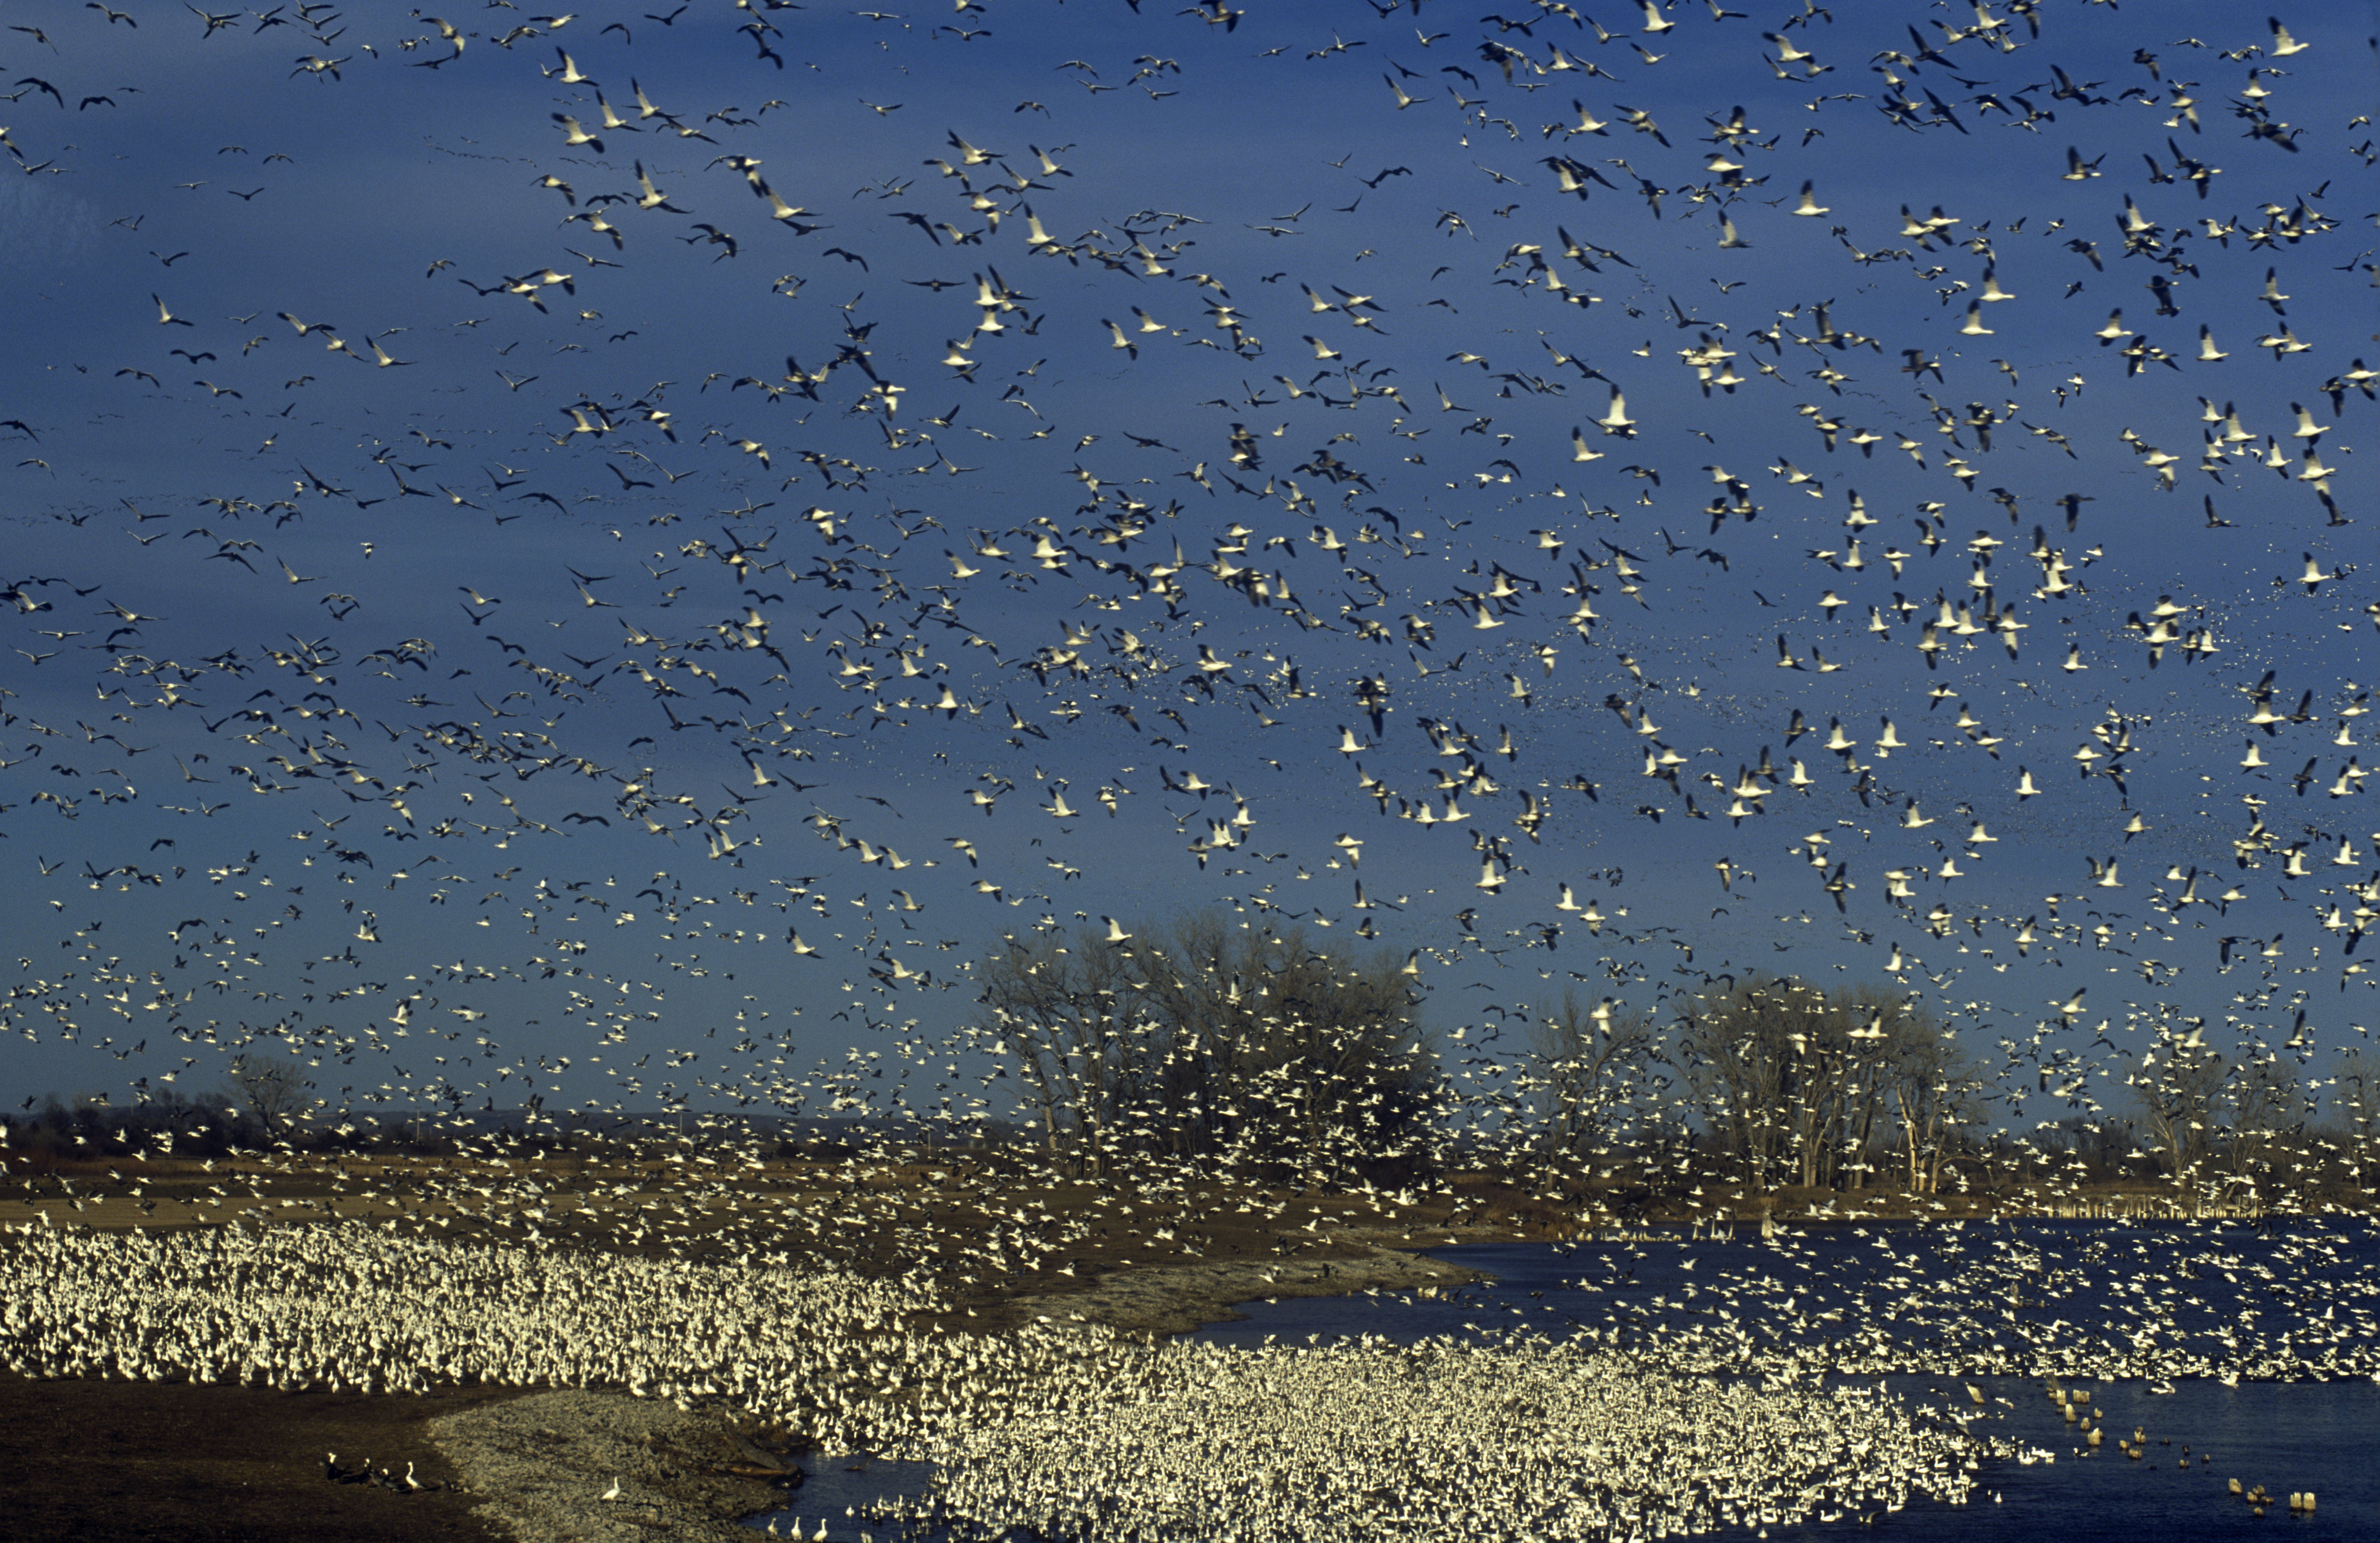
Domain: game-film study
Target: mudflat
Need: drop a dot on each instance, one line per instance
(193, 1463)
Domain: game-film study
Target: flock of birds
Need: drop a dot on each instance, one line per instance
(520, 777)
(1449, 1440)
(1740, 1392)
(1055, 1426)
(853, 641)
(2116, 1303)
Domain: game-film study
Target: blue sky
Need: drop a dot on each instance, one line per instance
(244, 502)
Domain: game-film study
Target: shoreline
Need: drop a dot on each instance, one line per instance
(532, 1464)
(535, 1466)
(1178, 1299)
(573, 1466)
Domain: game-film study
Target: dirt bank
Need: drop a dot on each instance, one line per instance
(1177, 1299)
(539, 1466)
(584, 1467)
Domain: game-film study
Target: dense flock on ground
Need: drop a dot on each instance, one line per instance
(1060, 1425)
(1728, 1403)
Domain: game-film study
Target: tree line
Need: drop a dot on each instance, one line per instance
(1266, 1050)
(1274, 1051)
(1200, 1040)
(1784, 1082)
(262, 1104)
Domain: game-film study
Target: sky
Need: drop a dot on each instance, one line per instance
(475, 598)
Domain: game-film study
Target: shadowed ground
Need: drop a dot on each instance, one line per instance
(178, 1462)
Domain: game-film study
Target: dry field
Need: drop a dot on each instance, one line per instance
(986, 1234)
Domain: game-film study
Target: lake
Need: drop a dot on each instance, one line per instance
(2150, 1321)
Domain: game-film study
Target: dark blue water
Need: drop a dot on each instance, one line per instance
(2121, 1311)
(840, 1492)
(2047, 1298)
(2322, 1436)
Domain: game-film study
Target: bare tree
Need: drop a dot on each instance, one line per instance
(2359, 1102)
(1743, 1051)
(1801, 1085)
(1299, 1048)
(1859, 1055)
(1200, 1038)
(1871, 1021)
(2178, 1085)
(271, 1088)
(1066, 1011)
(1936, 1093)
(1595, 1067)
(2260, 1103)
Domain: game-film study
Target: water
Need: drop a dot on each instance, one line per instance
(2285, 1436)
(836, 1490)
(2065, 1298)
(2121, 1311)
